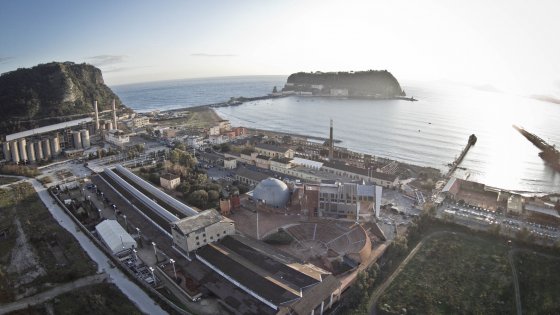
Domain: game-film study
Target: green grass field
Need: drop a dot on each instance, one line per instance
(453, 274)
(539, 282)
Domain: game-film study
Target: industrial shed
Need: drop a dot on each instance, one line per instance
(114, 236)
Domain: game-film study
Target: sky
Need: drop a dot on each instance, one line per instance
(502, 45)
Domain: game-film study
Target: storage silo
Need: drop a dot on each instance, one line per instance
(77, 139)
(85, 138)
(38, 150)
(31, 152)
(6, 149)
(22, 150)
(46, 144)
(55, 146)
(14, 150)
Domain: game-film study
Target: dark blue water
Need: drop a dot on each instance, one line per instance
(430, 132)
(164, 95)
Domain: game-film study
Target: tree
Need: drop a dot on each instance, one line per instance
(213, 196)
(199, 198)
(274, 90)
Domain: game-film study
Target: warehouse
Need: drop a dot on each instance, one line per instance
(114, 236)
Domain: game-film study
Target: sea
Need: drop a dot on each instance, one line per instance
(430, 132)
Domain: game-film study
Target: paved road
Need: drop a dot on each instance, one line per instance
(130, 289)
(52, 293)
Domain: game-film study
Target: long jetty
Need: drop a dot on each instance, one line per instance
(455, 164)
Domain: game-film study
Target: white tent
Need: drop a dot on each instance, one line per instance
(114, 236)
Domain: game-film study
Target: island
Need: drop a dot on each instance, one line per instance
(372, 84)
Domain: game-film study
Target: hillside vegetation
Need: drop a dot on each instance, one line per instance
(361, 83)
(51, 93)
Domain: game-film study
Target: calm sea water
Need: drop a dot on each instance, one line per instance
(430, 132)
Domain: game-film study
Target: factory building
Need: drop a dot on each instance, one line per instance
(204, 228)
(44, 142)
(350, 199)
(117, 137)
(273, 283)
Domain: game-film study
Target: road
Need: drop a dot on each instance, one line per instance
(515, 283)
(52, 293)
(130, 289)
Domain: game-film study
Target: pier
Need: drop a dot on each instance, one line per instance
(548, 153)
(453, 166)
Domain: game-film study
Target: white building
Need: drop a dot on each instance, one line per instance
(117, 137)
(140, 122)
(194, 141)
(114, 236)
(206, 227)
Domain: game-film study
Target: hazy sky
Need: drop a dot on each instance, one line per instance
(511, 45)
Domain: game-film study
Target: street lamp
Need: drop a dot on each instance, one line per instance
(155, 250)
(89, 199)
(172, 261)
(138, 230)
(125, 223)
(135, 253)
(153, 276)
(100, 216)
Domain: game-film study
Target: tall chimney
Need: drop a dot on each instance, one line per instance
(114, 116)
(96, 116)
(331, 143)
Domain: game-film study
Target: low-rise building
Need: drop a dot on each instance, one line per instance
(113, 235)
(169, 181)
(249, 177)
(369, 175)
(117, 137)
(515, 204)
(274, 151)
(140, 122)
(230, 163)
(206, 227)
(262, 161)
(194, 141)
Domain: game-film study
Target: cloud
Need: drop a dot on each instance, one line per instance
(103, 60)
(5, 59)
(213, 55)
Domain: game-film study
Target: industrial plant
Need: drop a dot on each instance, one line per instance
(67, 139)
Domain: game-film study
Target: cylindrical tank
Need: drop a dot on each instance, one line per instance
(109, 125)
(55, 146)
(14, 150)
(31, 152)
(38, 151)
(22, 151)
(46, 143)
(85, 138)
(6, 149)
(77, 139)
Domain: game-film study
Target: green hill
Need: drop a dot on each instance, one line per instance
(372, 83)
(51, 93)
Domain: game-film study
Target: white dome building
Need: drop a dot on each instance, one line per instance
(272, 192)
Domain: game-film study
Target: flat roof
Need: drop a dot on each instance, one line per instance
(49, 128)
(250, 174)
(245, 276)
(199, 221)
(296, 279)
(169, 176)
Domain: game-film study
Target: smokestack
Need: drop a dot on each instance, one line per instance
(331, 143)
(96, 116)
(114, 116)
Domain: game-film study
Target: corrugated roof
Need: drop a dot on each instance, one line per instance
(366, 190)
(247, 173)
(114, 236)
